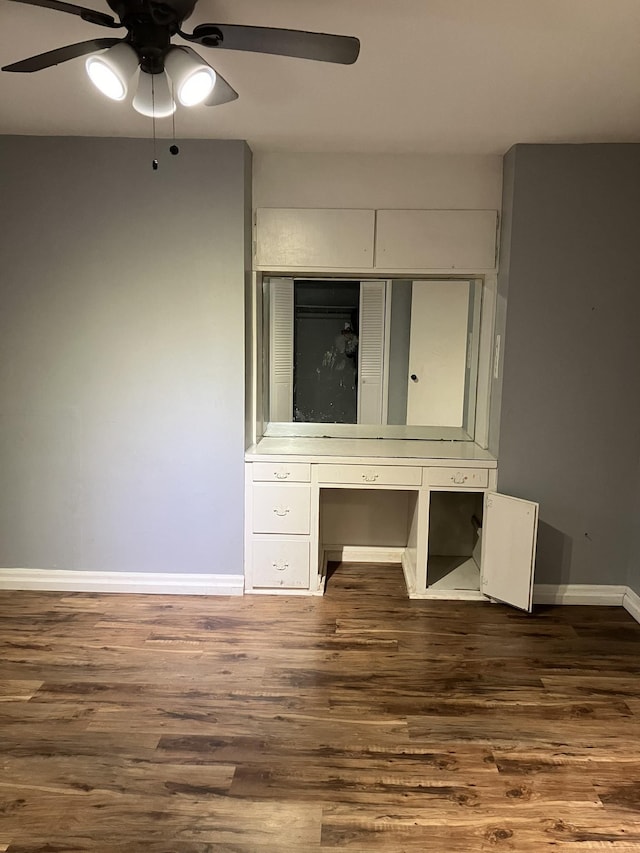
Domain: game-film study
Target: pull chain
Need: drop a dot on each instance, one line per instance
(174, 148)
(154, 163)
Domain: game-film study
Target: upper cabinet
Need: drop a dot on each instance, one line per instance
(386, 240)
(436, 239)
(308, 239)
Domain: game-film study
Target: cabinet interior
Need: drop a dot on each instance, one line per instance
(366, 517)
(455, 540)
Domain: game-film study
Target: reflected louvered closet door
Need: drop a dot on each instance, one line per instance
(281, 349)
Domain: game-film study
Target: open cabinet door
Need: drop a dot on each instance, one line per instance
(509, 531)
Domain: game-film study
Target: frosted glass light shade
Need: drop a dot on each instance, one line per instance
(111, 70)
(153, 97)
(193, 78)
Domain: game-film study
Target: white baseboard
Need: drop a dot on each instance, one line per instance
(161, 583)
(170, 583)
(362, 554)
(631, 603)
(578, 593)
(449, 595)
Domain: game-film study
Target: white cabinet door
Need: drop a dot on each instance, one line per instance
(436, 239)
(311, 238)
(509, 531)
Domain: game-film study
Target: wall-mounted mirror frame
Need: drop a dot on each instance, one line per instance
(476, 373)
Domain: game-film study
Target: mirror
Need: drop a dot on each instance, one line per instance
(395, 357)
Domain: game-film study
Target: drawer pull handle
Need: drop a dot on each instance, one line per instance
(280, 565)
(281, 475)
(281, 510)
(370, 478)
(459, 479)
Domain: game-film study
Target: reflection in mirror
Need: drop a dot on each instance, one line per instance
(325, 345)
(396, 353)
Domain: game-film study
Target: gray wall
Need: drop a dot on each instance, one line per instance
(122, 354)
(569, 425)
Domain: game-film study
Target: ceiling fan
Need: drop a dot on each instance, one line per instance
(151, 25)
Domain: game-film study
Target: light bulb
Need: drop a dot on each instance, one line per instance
(111, 70)
(193, 78)
(197, 87)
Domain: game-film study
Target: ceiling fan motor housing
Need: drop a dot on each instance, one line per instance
(167, 12)
(151, 26)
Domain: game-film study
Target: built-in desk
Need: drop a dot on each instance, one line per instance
(430, 505)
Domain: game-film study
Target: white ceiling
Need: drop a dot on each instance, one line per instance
(458, 76)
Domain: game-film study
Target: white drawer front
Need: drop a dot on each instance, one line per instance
(281, 563)
(281, 472)
(281, 509)
(371, 475)
(461, 477)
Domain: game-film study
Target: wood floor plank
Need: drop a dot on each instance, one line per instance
(191, 818)
(360, 722)
(117, 773)
(18, 691)
(414, 832)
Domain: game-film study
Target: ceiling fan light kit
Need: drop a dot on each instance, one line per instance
(150, 25)
(111, 70)
(192, 78)
(153, 96)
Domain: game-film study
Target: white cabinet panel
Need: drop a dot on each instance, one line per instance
(294, 237)
(436, 239)
(509, 532)
(281, 562)
(281, 509)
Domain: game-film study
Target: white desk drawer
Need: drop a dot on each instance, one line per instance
(370, 475)
(281, 472)
(281, 509)
(281, 563)
(461, 477)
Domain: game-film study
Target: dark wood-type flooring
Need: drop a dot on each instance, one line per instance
(360, 721)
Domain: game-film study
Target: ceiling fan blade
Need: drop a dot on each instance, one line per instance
(89, 15)
(61, 54)
(222, 92)
(321, 46)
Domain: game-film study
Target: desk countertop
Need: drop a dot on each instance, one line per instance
(382, 451)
